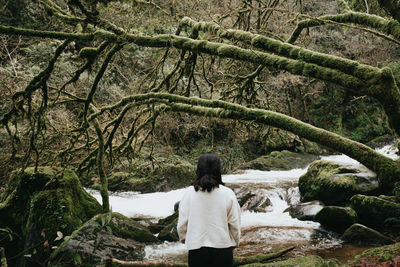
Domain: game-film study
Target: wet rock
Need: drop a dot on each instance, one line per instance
(169, 232)
(164, 222)
(37, 205)
(336, 218)
(335, 184)
(165, 177)
(252, 200)
(375, 211)
(305, 211)
(360, 234)
(105, 236)
(280, 160)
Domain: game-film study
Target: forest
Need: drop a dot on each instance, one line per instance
(105, 97)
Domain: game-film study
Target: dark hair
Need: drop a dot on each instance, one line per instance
(208, 173)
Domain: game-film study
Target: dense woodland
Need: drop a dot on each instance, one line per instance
(100, 87)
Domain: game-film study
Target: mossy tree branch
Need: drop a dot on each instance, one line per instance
(387, 169)
(385, 26)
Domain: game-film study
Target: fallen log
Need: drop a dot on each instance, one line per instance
(260, 257)
(237, 261)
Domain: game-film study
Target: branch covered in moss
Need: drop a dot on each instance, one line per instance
(386, 26)
(387, 169)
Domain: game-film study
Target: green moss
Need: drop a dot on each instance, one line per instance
(336, 218)
(334, 184)
(307, 261)
(127, 228)
(377, 255)
(373, 211)
(47, 201)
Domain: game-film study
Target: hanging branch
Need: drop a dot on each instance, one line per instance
(100, 166)
(90, 59)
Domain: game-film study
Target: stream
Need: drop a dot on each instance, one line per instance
(262, 232)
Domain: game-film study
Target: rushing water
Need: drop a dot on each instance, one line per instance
(262, 232)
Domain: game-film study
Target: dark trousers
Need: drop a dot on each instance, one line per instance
(211, 257)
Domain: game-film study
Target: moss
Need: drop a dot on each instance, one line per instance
(336, 218)
(47, 201)
(334, 184)
(168, 174)
(307, 261)
(377, 255)
(373, 211)
(360, 234)
(127, 228)
(169, 232)
(280, 160)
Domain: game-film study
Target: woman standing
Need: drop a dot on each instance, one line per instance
(209, 217)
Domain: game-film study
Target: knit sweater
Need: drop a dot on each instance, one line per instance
(209, 219)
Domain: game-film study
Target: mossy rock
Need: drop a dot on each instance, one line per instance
(162, 223)
(164, 177)
(360, 234)
(169, 232)
(36, 205)
(312, 260)
(109, 235)
(375, 256)
(336, 218)
(334, 184)
(280, 160)
(375, 211)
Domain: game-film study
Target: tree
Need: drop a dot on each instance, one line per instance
(186, 87)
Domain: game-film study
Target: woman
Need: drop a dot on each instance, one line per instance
(209, 217)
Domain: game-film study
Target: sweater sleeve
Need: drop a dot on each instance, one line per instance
(183, 218)
(234, 220)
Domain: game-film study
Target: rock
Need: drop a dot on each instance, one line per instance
(252, 200)
(162, 223)
(375, 212)
(360, 234)
(377, 256)
(380, 141)
(105, 236)
(280, 160)
(169, 232)
(334, 184)
(305, 211)
(164, 177)
(37, 205)
(336, 218)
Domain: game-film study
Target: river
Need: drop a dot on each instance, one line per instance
(262, 232)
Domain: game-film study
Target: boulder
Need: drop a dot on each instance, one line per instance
(169, 232)
(164, 222)
(336, 218)
(305, 211)
(334, 184)
(360, 234)
(105, 236)
(280, 160)
(252, 199)
(375, 211)
(164, 177)
(40, 206)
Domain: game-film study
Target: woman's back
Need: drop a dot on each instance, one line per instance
(210, 216)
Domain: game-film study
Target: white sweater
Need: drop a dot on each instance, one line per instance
(209, 219)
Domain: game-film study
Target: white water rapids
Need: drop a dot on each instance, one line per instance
(262, 232)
